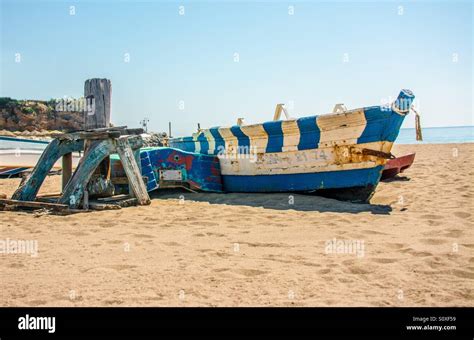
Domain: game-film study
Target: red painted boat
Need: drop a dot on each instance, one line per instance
(397, 165)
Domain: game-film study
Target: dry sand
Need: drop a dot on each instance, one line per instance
(257, 250)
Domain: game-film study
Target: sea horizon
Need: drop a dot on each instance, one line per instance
(437, 135)
(431, 135)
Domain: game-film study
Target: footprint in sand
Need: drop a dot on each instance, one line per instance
(433, 241)
(36, 303)
(110, 268)
(79, 233)
(395, 246)
(431, 217)
(413, 252)
(171, 244)
(261, 244)
(462, 214)
(143, 235)
(434, 263)
(358, 270)
(435, 223)
(220, 270)
(16, 265)
(215, 234)
(106, 225)
(372, 232)
(463, 274)
(309, 264)
(383, 260)
(249, 272)
(454, 233)
(113, 302)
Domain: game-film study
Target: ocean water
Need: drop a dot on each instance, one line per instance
(437, 135)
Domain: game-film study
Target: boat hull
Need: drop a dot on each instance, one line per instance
(353, 185)
(339, 152)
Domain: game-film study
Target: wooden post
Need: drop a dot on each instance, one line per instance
(66, 169)
(85, 200)
(98, 94)
(132, 171)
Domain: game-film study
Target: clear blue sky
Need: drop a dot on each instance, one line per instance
(286, 58)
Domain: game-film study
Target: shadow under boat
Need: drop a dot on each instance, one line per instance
(277, 201)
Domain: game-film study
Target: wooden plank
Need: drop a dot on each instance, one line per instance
(136, 155)
(33, 204)
(74, 191)
(28, 190)
(89, 135)
(47, 199)
(104, 206)
(113, 198)
(132, 171)
(66, 168)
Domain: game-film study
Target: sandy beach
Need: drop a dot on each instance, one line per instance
(415, 239)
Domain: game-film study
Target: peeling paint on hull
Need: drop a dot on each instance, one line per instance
(333, 152)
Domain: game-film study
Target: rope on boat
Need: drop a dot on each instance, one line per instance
(419, 135)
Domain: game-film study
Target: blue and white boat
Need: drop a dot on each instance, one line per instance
(341, 155)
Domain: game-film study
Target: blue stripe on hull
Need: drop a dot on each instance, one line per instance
(275, 136)
(309, 133)
(382, 125)
(219, 141)
(303, 182)
(243, 139)
(204, 143)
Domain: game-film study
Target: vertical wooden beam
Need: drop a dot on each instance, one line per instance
(85, 200)
(98, 92)
(136, 155)
(66, 169)
(132, 171)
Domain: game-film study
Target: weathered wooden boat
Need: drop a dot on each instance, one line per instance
(164, 167)
(397, 165)
(340, 155)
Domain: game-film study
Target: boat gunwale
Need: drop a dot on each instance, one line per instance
(332, 114)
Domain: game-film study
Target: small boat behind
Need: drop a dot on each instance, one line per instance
(397, 165)
(18, 155)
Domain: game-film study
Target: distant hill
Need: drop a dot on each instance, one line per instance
(37, 115)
